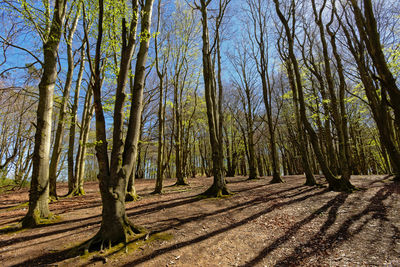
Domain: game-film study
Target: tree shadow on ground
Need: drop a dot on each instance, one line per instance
(267, 210)
(54, 257)
(320, 242)
(333, 205)
(184, 201)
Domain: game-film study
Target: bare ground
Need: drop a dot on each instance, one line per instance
(261, 225)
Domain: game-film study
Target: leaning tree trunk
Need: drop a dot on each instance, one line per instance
(310, 179)
(39, 191)
(335, 184)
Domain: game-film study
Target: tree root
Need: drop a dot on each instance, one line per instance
(181, 183)
(216, 192)
(342, 185)
(35, 221)
(100, 241)
(131, 196)
(276, 180)
(79, 192)
(310, 183)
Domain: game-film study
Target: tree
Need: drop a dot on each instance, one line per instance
(368, 31)
(39, 191)
(213, 103)
(114, 173)
(57, 146)
(259, 19)
(335, 183)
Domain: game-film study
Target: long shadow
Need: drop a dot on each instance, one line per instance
(221, 230)
(20, 239)
(386, 177)
(175, 204)
(335, 202)
(42, 242)
(314, 247)
(236, 181)
(51, 258)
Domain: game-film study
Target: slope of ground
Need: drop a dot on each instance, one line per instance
(261, 225)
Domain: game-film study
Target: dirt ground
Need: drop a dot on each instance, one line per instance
(261, 225)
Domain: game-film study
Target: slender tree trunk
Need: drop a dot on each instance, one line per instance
(57, 147)
(335, 183)
(218, 187)
(87, 115)
(310, 179)
(73, 182)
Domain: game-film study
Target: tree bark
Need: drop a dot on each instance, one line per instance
(57, 147)
(73, 183)
(218, 187)
(336, 184)
(39, 191)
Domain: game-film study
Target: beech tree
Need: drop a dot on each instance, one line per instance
(213, 98)
(335, 183)
(39, 191)
(114, 173)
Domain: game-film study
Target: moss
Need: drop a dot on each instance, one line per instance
(50, 220)
(131, 197)
(180, 189)
(134, 243)
(12, 229)
(19, 206)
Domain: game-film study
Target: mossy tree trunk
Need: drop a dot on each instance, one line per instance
(39, 190)
(114, 173)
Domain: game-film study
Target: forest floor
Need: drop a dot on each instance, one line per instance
(262, 224)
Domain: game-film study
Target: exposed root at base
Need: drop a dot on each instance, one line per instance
(8, 229)
(99, 242)
(53, 199)
(35, 221)
(311, 183)
(215, 192)
(130, 196)
(276, 181)
(181, 184)
(343, 186)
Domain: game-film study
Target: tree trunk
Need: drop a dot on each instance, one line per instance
(310, 179)
(55, 157)
(39, 190)
(115, 226)
(73, 182)
(218, 187)
(335, 183)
